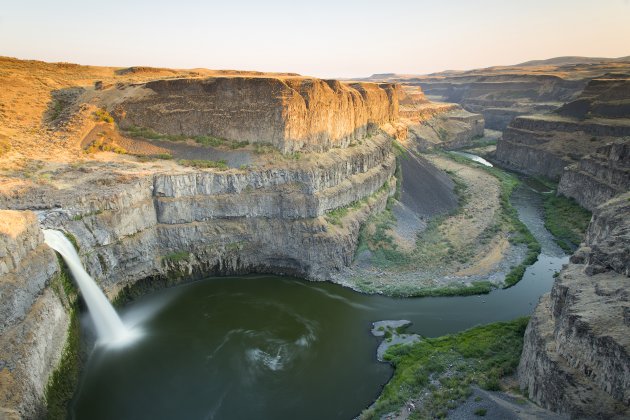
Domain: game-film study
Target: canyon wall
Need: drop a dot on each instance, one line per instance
(292, 113)
(167, 227)
(576, 354)
(598, 177)
(502, 93)
(33, 316)
(430, 124)
(544, 145)
(500, 98)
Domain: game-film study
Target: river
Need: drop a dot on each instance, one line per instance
(269, 347)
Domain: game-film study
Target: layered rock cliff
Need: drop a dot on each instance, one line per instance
(431, 124)
(598, 177)
(576, 354)
(292, 113)
(545, 144)
(33, 319)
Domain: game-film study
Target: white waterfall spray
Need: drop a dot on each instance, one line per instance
(109, 327)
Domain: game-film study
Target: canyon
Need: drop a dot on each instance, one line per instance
(501, 93)
(162, 176)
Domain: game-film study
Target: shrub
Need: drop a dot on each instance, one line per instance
(481, 412)
(480, 355)
(203, 164)
(566, 220)
(101, 114)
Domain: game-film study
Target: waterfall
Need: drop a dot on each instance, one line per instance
(109, 327)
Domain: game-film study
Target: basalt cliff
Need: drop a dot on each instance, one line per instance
(545, 144)
(576, 354)
(291, 113)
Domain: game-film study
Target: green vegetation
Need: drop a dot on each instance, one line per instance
(177, 256)
(65, 377)
(446, 367)
(399, 149)
(509, 221)
(481, 412)
(209, 141)
(476, 288)
(442, 133)
(157, 156)
(264, 148)
(204, 140)
(103, 145)
(478, 142)
(101, 114)
(335, 216)
(199, 163)
(432, 248)
(163, 156)
(73, 240)
(56, 110)
(77, 217)
(519, 234)
(566, 220)
(385, 252)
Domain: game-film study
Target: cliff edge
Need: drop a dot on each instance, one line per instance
(292, 113)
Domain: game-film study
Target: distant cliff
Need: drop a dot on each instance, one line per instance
(292, 113)
(502, 93)
(545, 144)
(598, 177)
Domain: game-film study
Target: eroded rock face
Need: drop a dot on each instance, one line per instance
(576, 354)
(545, 144)
(598, 177)
(292, 113)
(33, 320)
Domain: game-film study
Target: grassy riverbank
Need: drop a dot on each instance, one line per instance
(519, 234)
(566, 220)
(464, 246)
(436, 374)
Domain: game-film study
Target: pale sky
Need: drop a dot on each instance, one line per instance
(319, 37)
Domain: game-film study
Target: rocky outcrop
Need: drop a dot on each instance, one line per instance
(431, 124)
(33, 320)
(608, 238)
(598, 177)
(450, 130)
(606, 97)
(292, 113)
(576, 354)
